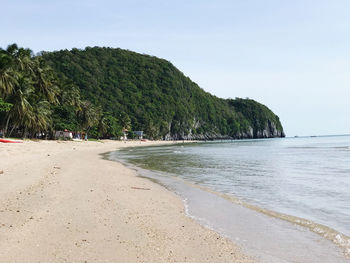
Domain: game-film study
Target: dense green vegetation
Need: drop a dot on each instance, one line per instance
(27, 91)
(258, 116)
(103, 90)
(4, 106)
(34, 101)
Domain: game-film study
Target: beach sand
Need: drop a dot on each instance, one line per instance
(62, 202)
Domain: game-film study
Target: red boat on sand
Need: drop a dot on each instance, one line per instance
(8, 141)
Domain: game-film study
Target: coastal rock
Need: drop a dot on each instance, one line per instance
(269, 131)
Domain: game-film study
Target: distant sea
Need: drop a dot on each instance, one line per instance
(304, 181)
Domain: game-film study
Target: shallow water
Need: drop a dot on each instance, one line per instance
(308, 178)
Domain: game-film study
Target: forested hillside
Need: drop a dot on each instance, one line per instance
(102, 91)
(157, 98)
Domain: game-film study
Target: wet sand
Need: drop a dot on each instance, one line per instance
(62, 202)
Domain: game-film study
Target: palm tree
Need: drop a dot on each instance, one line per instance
(102, 126)
(29, 112)
(70, 95)
(21, 111)
(30, 86)
(44, 80)
(4, 106)
(8, 75)
(42, 118)
(89, 115)
(13, 62)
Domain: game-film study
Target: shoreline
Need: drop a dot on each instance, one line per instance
(337, 248)
(61, 202)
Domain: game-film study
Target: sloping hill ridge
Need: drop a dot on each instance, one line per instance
(158, 98)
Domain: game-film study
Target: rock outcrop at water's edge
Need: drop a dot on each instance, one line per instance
(270, 131)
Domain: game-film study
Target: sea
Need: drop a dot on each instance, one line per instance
(281, 200)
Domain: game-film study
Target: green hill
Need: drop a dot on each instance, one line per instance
(158, 98)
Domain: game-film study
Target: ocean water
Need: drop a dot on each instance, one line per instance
(276, 197)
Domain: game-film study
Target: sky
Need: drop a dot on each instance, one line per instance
(291, 55)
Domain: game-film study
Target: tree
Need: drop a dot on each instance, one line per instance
(141, 91)
(4, 106)
(8, 76)
(44, 80)
(21, 112)
(125, 121)
(29, 85)
(89, 115)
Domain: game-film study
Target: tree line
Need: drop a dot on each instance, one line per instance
(158, 98)
(102, 91)
(33, 100)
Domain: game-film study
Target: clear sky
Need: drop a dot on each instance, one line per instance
(291, 55)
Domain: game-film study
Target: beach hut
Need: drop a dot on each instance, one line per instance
(139, 134)
(66, 135)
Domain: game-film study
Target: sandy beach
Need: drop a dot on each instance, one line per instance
(62, 202)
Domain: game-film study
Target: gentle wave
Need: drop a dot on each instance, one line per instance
(319, 147)
(338, 238)
(301, 181)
